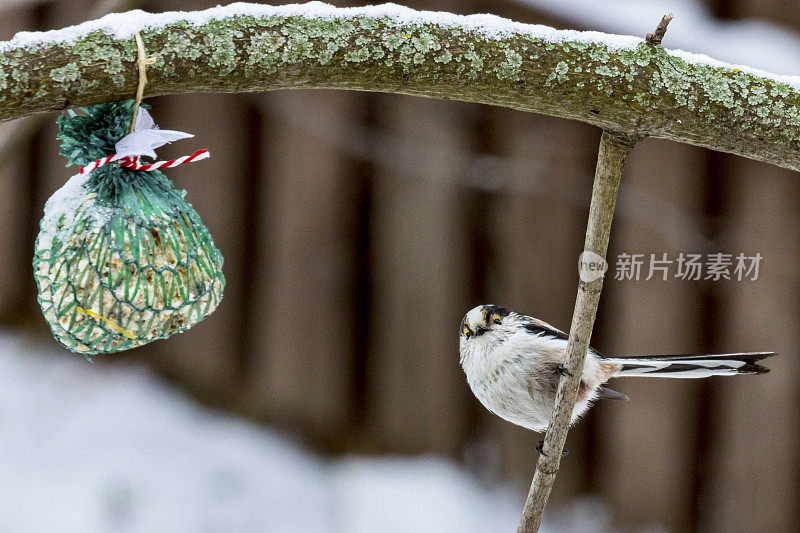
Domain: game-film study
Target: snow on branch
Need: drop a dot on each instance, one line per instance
(618, 83)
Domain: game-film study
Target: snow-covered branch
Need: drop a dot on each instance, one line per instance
(621, 84)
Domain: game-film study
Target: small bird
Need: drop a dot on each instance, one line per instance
(513, 363)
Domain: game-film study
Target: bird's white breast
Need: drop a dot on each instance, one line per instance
(509, 374)
(513, 375)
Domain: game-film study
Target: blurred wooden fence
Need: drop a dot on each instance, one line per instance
(357, 229)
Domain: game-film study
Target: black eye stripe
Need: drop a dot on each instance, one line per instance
(496, 310)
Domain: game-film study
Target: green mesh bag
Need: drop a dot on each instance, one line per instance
(122, 258)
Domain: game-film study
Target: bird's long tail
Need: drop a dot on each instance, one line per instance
(692, 366)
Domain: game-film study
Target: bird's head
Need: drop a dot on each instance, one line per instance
(481, 320)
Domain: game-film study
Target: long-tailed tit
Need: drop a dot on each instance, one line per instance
(513, 363)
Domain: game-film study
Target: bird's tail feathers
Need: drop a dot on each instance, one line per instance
(692, 366)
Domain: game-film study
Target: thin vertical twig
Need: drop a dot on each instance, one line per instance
(614, 149)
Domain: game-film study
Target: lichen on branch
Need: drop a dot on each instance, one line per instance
(639, 90)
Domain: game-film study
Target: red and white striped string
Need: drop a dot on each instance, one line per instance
(135, 164)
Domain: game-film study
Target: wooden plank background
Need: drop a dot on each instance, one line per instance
(358, 228)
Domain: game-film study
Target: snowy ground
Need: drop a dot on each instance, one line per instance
(108, 448)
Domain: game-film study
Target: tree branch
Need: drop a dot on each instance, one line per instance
(614, 148)
(621, 86)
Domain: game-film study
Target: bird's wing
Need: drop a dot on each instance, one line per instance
(541, 328)
(534, 326)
